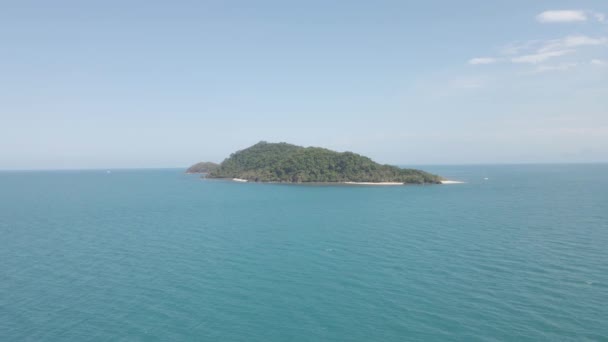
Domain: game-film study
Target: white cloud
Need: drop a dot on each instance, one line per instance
(539, 57)
(562, 16)
(571, 42)
(569, 16)
(482, 60)
(540, 51)
(468, 83)
(517, 47)
(599, 62)
(558, 67)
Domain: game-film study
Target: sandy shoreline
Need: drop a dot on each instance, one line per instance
(372, 183)
(361, 183)
(451, 182)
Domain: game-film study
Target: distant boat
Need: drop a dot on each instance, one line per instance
(108, 171)
(485, 178)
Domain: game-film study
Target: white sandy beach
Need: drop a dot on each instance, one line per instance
(367, 183)
(451, 182)
(372, 183)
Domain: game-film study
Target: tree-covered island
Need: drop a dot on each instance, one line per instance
(202, 167)
(282, 162)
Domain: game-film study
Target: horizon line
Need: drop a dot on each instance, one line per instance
(399, 165)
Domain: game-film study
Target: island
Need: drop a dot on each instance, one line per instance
(287, 163)
(202, 167)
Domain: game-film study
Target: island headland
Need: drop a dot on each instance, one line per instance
(287, 163)
(202, 167)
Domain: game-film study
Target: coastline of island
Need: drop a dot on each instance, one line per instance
(373, 183)
(286, 163)
(240, 180)
(446, 181)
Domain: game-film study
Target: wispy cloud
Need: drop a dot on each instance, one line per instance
(539, 57)
(515, 48)
(569, 16)
(538, 51)
(482, 60)
(468, 83)
(558, 67)
(561, 16)
(599, 62)
(571, 42)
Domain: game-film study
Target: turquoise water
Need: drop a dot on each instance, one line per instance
(157, 255)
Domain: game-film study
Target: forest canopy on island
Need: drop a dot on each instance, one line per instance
(283, 162)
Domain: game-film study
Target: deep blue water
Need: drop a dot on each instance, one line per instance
(157, 255)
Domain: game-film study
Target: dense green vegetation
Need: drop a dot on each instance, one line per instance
(282, 162)
(202, 167)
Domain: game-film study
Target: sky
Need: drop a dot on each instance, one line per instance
(134, 84)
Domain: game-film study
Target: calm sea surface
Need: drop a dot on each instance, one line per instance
(157, 255)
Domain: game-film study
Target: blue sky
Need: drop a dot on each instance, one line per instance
(160, 84)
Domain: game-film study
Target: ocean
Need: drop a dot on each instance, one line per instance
(517, 253)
